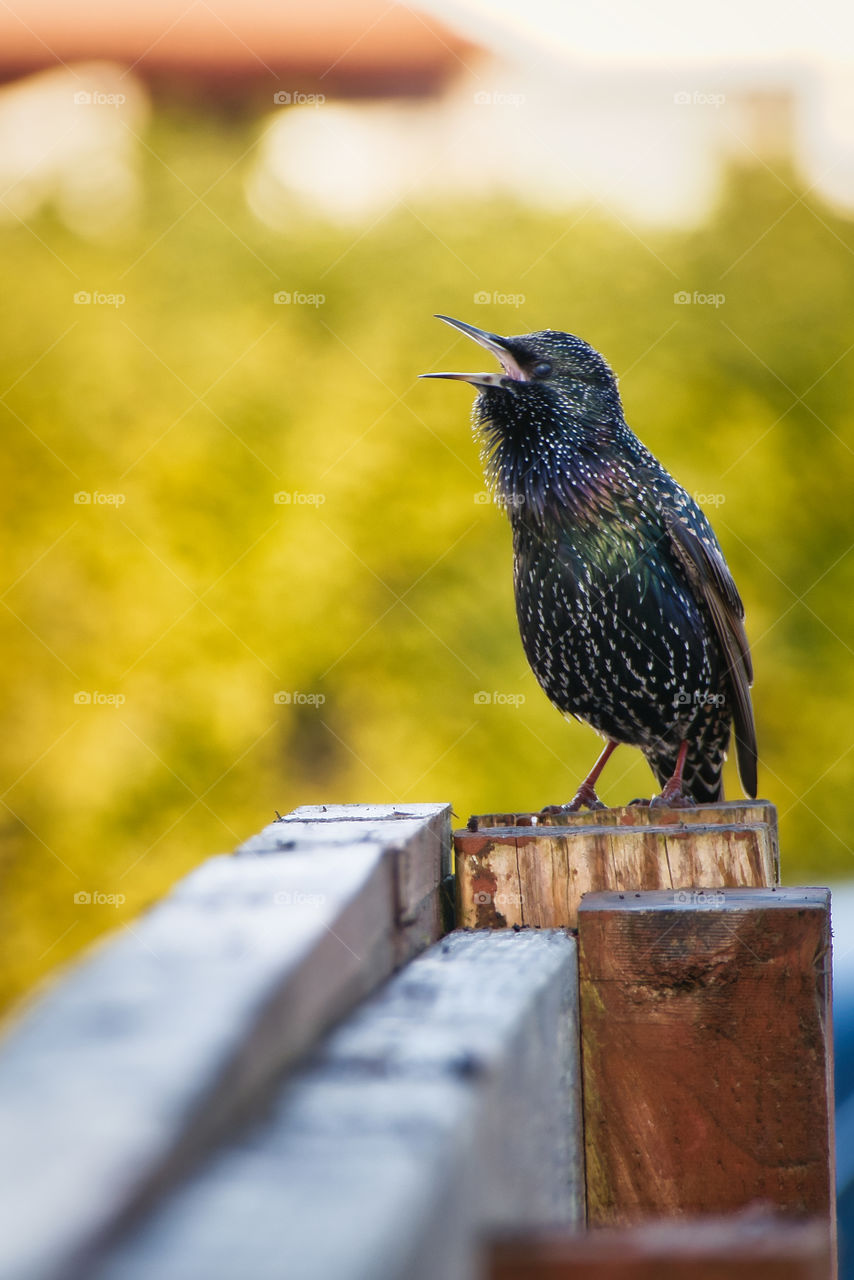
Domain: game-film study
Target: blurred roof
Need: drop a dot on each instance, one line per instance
(340, 42)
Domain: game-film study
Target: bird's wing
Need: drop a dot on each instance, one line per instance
(712, 583)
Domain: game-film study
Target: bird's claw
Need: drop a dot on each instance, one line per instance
(674, 798)
(585, 796)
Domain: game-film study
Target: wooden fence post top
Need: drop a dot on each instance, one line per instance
(365, 812)
(353, 824)
(722, 813)
(731, 898)
(518, 873)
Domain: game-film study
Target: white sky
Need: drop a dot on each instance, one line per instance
(658, 31)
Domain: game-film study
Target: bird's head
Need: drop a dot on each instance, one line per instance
(545, 372)
(550, 420)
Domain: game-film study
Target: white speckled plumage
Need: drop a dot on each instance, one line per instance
(628, 614)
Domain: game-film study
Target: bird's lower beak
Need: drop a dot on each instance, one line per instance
(476, 379)
(492, 342)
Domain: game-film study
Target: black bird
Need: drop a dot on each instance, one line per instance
(629, 615)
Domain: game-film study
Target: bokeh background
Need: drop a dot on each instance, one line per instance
(249, 561)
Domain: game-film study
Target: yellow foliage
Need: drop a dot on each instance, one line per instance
(181, 660)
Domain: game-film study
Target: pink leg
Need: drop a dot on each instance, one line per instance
(586, 793)
(672, 796)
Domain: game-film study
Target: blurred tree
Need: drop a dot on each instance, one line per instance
(284, 577)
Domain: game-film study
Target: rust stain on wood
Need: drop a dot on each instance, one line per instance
(542, 870)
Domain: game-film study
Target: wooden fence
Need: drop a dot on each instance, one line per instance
(296, 1066)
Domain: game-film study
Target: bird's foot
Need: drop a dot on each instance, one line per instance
(639, 803)
(673, 793)
(585, 797)
(673, 796)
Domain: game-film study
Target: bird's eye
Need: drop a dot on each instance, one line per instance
(542, 369)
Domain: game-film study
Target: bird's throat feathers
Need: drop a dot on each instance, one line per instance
(564, 470)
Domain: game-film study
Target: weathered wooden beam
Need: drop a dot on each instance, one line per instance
(446, 1106)
(416, 836)
(723, 813)
(523, 874)
(749, 1246)
(135, 1062)
(706, 1045)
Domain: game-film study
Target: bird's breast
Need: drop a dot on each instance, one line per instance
(612, 633)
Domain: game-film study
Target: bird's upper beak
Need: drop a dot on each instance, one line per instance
(511, 368)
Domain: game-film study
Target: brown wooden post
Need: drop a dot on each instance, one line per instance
(741, 1247)
(521, 869)
(706, 1048)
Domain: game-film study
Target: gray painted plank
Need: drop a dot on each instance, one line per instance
(419, 834)
(136, 1060)
(446, 1105)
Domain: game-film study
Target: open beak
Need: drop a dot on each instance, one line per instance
(492, 342)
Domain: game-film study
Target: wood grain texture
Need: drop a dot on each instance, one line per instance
(536, 875)
(724, 813)
(750, 1246)
(706, 1046)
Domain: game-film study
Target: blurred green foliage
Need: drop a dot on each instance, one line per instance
(200, 597)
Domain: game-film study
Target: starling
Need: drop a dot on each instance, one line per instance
(629, 616)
